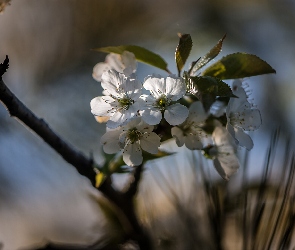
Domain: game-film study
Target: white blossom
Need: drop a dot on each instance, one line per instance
(122, 102)
(132, 138)
(190, 132)
(163, 93)
(124, 63)
(223, 153)
(241, 116)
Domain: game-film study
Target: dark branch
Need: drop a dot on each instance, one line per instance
(84, 165)
(4, 67)
(17, 109)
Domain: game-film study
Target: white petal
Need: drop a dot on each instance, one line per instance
(175, 88)
(197, 113)
(240, 103)
(122, 138)
(129, 61)
(115, 62)
(231, 131)
(156, 85)
(111, 81)
(243, 138)
(150, 142)
(177, 133)
(133, 88)
(151, 116)
(110, 141)
(144, 127)
(133, 109)
(132, 154)
(132, 123)
(176, 114)
(118, 119)
(101, 105)
(146, 101)
(193, 142)
(250, 119)
(99, 69)
(239, 91)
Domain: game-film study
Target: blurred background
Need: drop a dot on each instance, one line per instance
(49, 45)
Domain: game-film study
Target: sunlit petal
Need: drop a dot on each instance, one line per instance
(111, 81)
(156, 85)
(175, 88)
(101, 105)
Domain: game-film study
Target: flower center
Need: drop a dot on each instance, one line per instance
(162, 103)
(133, 135)
(125, 102)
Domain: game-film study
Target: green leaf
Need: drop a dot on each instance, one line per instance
(208, 57)
(238, 65)
(141, 55)
(183, 50)
(207, 88)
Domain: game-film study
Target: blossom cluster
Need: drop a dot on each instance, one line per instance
(135, 110)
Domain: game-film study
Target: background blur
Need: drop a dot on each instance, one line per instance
(49, 45)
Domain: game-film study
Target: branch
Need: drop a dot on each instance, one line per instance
(17, 109)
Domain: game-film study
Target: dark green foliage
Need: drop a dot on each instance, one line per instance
(207, 88)
(238, 65)
(183, 50)
(208, 57)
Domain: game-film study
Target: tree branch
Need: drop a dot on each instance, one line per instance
(17, 109)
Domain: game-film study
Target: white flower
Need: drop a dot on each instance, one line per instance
(190, 132)
(124, 63)
(241, 116)
(223, 153)
(122, 102)
(132, 138)
(163, 93)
